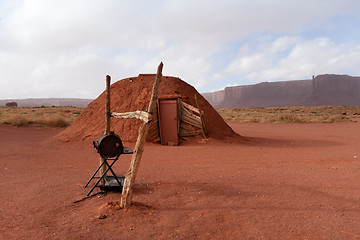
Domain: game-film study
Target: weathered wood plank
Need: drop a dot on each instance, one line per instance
(153, 131)
(185, 133)
(187, 130)
(190, 120)
(188, 111)
(190, 115)
(192, 108)
(202, 122)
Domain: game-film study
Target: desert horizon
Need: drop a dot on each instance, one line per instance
(322, 90)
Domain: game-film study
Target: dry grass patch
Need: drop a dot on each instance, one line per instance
(62, 117)
(55, 121)
(15, 120)
(325, 114)
(59, 117)
(286, 118)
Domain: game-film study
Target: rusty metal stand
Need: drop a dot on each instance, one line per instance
(103, 176)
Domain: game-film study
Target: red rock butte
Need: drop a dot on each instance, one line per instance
(131, 94)
(322, 90)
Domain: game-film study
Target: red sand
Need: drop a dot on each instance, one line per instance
(299, 181)
(133, 94)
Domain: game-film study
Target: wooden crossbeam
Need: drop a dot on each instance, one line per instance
(141, 115)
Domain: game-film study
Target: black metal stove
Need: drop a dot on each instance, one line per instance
(110, 148)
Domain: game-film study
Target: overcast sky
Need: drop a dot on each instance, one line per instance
(65, 48)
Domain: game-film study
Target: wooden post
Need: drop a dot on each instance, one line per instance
(201, 113)
(107, 123)
(126, 196)
(107, 108)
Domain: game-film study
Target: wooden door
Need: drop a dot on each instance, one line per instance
(168, 122)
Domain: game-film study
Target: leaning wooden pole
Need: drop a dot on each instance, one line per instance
(126, 196)
(107, 123)
(107, 107)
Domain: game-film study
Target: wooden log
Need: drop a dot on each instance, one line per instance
(153, 134)
(107, 124)
(187, 130)
(159, 119)
(178, 103)
(190, 107)
(187, 127)
(201, 113)
(141, 115)
(190, 134)
(190, 115)
(153, 131)
(154, 89)
(185, 133)
(126, 196)
(190, 121)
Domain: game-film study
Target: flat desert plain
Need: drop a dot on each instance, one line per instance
(288, 181)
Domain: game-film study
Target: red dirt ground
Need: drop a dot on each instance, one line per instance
(290, 181)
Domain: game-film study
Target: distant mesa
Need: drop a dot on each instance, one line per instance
(11, 104)
(322, 90)
(37, 102)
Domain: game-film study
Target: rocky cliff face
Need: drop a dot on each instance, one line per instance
(322, 90)
(330, 89)
(215, 98)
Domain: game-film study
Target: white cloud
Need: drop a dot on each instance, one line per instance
(304, 59)
(282, 44)
(250, 63)
(65, 48)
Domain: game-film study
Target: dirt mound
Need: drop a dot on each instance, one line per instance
(132, 94)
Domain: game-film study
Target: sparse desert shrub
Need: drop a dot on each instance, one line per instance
(286, 118)
(16, 120)
(55, 121)
(335, 118)
(298, 114)
(254, 120)
(290, 118)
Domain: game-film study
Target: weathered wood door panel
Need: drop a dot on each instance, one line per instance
(168, 122)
